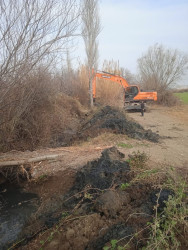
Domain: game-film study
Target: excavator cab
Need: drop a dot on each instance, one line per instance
(131, 92)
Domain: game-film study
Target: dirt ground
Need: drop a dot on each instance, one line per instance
(172, 125)
(53, 178)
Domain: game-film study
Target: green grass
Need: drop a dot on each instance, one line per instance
(183, 97)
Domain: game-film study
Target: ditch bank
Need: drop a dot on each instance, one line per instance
(88, 208)
(106, 119)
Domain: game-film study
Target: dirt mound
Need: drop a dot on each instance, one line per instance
(108, 203)
(115, 120)
(100, 174)
(108, 171)
(118, 213)
(98, 208)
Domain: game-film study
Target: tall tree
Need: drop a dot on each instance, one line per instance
(33, 34)
(161, 68)
(90, 31)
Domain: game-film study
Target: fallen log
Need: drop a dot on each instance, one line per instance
(31, 160)
(44, 157)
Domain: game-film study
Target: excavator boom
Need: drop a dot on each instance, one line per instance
(110, 77)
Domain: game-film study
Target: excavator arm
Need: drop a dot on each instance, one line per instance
(132, 92)
(108, 76)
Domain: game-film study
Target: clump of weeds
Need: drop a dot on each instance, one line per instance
(138, 159)
(169, 228)
(123, 186)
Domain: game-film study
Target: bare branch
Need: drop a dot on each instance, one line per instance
(161, 68)
(33, 34)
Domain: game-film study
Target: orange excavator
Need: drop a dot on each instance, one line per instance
(132, 97)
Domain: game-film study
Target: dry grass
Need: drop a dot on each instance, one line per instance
(109, 93)
(45, 124)
(82, 86)
(167, 98)
(22, 107)
(40, 107)
(35, 113)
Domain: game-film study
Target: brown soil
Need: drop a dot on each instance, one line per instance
(172, 125)
(53, 179)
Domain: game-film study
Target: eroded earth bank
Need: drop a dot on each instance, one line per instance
(110, 188)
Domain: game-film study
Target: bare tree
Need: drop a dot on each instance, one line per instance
(111, 66)
(130, 77)
(33, 36)
(161, 68)
(33, 32)
(90, 32)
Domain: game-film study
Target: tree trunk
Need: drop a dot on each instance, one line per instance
(91, 92)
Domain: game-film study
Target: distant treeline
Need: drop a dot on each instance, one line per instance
(180, 90)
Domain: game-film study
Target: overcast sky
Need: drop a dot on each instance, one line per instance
(129, 27)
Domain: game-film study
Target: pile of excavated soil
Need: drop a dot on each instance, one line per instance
(96, 209)
(102, 174)
(114, 120)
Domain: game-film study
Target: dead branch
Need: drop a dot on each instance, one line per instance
(31, 160)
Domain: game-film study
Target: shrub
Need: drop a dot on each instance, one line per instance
(75, 84)
(169, 228)
(35, 113)
(138, 159)
(167, 98)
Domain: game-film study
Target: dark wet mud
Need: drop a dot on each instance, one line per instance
(106, 119)
(95, 210)
(116, 121)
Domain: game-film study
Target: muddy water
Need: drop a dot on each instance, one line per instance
(16, 207)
